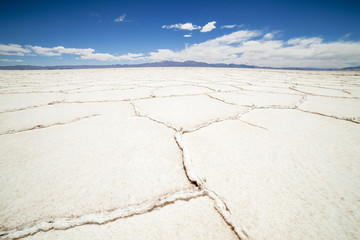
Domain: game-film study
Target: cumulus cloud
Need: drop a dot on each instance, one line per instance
(253, 48)
(110, 57)
(58, 51)
(11, 60)
(120, 18)
(44, 51)
(187, 35)
(190, 27)
(84, 53)
(212, 51)
(268, 36)
(13, 49)
(78, 51)
(208, 27)
(186, 26)
(229, 26)
(304, 41)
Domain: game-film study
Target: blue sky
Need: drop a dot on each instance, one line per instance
(264, 33)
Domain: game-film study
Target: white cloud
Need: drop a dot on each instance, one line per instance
(186, 26)
(44, 51)
(251, 47)
(245, 47)
(110, 57)
(13, 49)
(84, 53)
(12, 53)
(190, 27)
(229, 26)
(304, 41)
(58, 51)
(11, 60)
(268, 36)
(211, 51)
(77, 51)
(208, 27)
(98, 56)
(187, 35)
(121, 18)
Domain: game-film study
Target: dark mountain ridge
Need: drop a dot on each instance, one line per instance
(160, 64)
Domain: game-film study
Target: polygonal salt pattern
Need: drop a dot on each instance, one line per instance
(180, 153)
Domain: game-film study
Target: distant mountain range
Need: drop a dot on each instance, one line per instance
(159, 64)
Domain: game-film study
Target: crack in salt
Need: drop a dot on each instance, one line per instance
(201, 189)
(220, 205)
(302, 100)
(50, 125)
(217, 120)
(330, 116)
(104, 217)
(33, 106)
(254, 125)
(138, 114)
(320, 95)
(220, 100)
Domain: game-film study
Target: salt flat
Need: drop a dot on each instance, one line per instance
(179, 153)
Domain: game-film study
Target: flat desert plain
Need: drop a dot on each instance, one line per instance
(179, 153)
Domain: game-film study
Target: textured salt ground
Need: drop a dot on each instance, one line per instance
(186, 112)
(290, 181)
(193, 219)
(261, 99)
(116, 153)
(109, 95)
(92, 165)
(180, 90)
(337, 107)
(18, 101)
(58, 114)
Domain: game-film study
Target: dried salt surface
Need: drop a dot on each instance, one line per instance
(58, 114)
(110, 147)
(322, 91)
(354, 92)
(338, 107)
(108, 87)
(180, 90)
(186, 112)
(220, 87)
(19, 101)
(259, 99)
(271, 89)
(96, 164)
(109, 95)
(298, 178)
(193, 219)
(43, 89)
